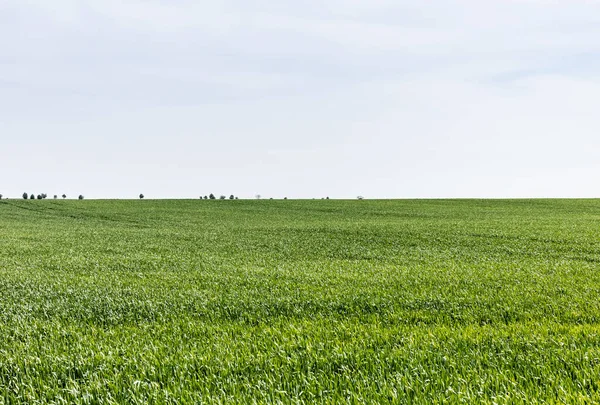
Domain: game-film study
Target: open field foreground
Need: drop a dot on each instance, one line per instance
(299, 301)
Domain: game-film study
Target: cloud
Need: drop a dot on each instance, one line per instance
(433, 97)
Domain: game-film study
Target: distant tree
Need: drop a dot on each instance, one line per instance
(32, 197)
(44, 196)
(81, 197)
(212, 196)
(360, 197)
(25, 196)
(222, 197)
(236, 198)
(285, 198)
(55, 196)
(231, 197)
(141, 196)
(0, 196)
(206, 197)
(327, 198)
(64, 196)
(258, 196)
(39, 197)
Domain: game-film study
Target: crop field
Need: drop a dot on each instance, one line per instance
(322, 301)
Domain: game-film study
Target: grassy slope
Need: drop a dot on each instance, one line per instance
(329, 301)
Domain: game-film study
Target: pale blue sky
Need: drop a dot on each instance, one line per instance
(339, 98)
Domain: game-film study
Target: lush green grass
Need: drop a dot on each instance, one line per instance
(299, 301)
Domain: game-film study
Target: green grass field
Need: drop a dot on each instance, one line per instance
(300, 301)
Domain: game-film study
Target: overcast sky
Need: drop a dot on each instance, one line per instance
(339, 98)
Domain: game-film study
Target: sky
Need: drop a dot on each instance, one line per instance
(300, 99)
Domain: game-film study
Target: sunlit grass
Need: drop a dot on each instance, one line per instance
(299, 301)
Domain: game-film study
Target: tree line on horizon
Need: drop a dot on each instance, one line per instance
(211, 196)
(43, 196)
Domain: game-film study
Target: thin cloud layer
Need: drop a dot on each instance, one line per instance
(379, 98)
